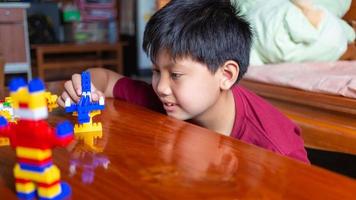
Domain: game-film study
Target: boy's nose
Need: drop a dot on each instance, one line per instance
(163, 87)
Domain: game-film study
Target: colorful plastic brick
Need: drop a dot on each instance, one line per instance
(51, 101)
(7, 112)
(90, 135)
(85, 106)
(33, 139)
(85, 110)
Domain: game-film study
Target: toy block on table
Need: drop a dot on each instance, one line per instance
(7, 112)
(85, 109)
(6, 107)
(33, 139)
(85, 106)
(51, 101)
(89, 132)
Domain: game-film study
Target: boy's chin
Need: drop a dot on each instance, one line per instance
(178, 116)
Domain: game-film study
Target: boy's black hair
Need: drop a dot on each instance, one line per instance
(208, 31)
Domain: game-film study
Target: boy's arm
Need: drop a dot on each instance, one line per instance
(104, 80)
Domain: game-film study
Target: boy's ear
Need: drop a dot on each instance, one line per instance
(229, 73)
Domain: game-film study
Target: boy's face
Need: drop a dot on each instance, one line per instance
(186, 88)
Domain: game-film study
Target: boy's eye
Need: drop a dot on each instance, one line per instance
(176, 75)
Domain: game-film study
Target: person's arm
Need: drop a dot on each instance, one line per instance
(103, 82)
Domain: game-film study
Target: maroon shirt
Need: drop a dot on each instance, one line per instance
(256, 121)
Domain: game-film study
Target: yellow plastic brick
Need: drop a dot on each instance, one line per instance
(49, 176)
(49, 192)
(31, 153)
(25, 187)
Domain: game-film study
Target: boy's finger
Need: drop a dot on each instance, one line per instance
(92, 87)
(70, 91)
(95, 95)
(60, 102)
(62, 98)
(77, 83)
(65, 96)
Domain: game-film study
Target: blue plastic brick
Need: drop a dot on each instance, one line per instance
(86, 87)
(30, 195)
(64, 129)
(16, 83)
(85, 106)
(36, 85)
(36, 168)
(71, 108)
(3, 121)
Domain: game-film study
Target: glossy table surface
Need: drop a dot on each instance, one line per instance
(147, 155)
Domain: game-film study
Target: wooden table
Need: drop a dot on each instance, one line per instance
(62, 56)
(153, 156)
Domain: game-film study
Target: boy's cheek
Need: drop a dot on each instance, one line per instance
(154, 83)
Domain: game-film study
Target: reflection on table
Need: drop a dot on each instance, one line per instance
(87, 157)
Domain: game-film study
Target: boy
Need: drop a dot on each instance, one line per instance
(200, 50)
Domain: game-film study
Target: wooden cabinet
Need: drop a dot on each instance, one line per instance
(12, 42)
(61, 56)
(14, 38)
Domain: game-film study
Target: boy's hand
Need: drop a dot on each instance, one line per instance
(73, 91)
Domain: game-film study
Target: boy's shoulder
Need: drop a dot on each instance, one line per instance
(259, 122)
(255, 113)
(254, 106)
(242, 94)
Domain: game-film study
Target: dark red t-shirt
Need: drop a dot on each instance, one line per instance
(256, 121)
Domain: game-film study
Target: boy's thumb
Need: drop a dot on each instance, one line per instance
(96, 95)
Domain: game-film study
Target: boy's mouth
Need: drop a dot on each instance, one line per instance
(169, 104)
(169, 107)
